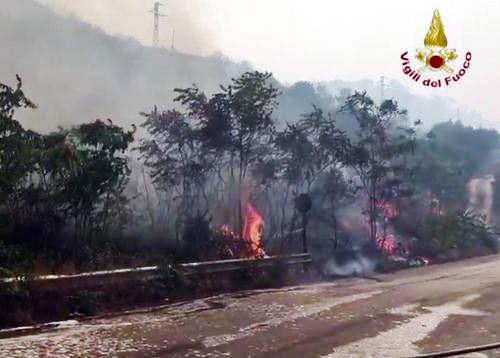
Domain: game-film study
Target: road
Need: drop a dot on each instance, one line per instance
(410, 312)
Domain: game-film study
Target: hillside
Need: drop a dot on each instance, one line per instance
(430, 110)
(75, 72)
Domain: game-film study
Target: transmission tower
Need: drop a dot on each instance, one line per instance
(382, 88)
(172, 44)
(156, 29)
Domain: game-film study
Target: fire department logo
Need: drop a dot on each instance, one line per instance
(436, 58)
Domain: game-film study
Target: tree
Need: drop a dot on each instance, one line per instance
(45, 180)
(379, 152)
(457, 142)
(441, 177)
(447, 158)
(177, 161)
(76, 187)
(455, 233)
(17, 149)
(16, 144)
(333, 192)
(228, 134)
(98, 173)
(309, 148)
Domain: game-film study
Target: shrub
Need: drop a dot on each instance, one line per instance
(461, 232)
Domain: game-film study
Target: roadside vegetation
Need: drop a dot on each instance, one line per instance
(98, 196)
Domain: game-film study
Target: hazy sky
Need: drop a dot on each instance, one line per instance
(318, 39)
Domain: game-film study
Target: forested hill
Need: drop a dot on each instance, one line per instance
(430, 109)
(75, 72)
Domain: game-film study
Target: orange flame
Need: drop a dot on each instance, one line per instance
(252, 230)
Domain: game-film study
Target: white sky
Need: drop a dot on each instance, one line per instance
(319, 39)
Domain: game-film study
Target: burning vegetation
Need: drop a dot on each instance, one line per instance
(250, 244)
(215, 169)
(252, 231)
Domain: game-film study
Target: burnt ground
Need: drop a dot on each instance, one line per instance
(397, 315)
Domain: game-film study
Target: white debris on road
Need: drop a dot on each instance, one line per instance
(400, 341)
(301, 312)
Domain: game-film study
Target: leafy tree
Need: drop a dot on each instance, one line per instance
(227, 134)
(448, 157)
(16, 144)
(76, 186)
(177, 160)
(441, 177)
(332, 192)
(310, 147)
(379, 151)
(459, 231)
(307, 149)
(454, 141)
(50, 185)
(98, 173)
(298, 98)
(17, 163)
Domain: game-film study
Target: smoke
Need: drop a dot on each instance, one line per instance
(76, 73)
(480, 191)
(132, 18)
(353, 264)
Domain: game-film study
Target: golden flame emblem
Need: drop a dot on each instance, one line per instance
(436, 39)
(436, 56)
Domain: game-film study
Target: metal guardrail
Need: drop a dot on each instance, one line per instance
(238, 264)
(189, 269)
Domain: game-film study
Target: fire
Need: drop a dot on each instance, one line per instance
(388, 244)
(252, 230)
(390, 211)
(250, 245)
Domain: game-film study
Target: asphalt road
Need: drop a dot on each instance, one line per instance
(399, 315)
